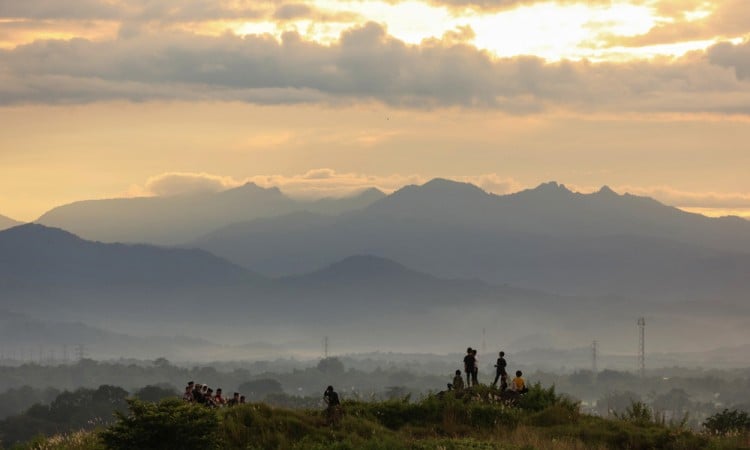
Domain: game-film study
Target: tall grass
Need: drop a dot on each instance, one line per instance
(472, 419)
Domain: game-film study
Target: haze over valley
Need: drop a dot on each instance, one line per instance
(418, 270)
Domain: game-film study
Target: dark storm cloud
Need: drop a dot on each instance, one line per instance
(365, 64)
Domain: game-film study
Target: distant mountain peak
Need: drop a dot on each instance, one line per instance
(443, 184)
(607, 191)
(251, 187)
(552, 186)
(7, 222)
(39, 231)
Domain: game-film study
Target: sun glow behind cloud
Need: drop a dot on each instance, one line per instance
(548, 30)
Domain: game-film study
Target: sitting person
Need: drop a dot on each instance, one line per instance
(518, 384)
(458, 382)
(235, 400)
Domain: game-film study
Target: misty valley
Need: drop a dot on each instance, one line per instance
(615, 308)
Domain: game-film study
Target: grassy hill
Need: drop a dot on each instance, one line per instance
(473, 419)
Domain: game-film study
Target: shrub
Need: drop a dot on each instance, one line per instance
(539, 398)
(638, 413)
(170, 423)
(727, 422)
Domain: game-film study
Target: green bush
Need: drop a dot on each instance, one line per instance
(727, 422)
(638, 413)
(553, 415)
(539, 398)
(170, 423)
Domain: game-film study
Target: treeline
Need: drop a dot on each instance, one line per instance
(670, 392)
(74, 410)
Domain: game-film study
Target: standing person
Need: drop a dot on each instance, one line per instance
(333, 411)
(469, 365)
(500, 372)
(475, 373)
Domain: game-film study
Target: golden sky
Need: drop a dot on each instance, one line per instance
(103, 98)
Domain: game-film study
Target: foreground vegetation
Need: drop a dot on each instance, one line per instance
(473, 419)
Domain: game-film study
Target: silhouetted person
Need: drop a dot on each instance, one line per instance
(198, 396)
(235, 400)
(458, 382)
(242, 399)
(500, 372)
(469, 361)
(331, 397)
(333, 411)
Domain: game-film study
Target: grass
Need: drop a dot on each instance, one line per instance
(470, 420)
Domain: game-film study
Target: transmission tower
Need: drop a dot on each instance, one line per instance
(325, 347)
(642, 346)
(594, 355)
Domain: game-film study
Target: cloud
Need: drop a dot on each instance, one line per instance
(315, 183)
(727, 19)
(736, 57)
(141, 10)
(499, 5)
(177, 183)
(366, 64)
(688, 199)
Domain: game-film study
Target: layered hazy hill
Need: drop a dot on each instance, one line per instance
(177, 219)
(7, 222)
(369, 302)
(34, 256)
(546, 238)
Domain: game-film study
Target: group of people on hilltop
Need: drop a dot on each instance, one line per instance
(471, 368)
(202, 394)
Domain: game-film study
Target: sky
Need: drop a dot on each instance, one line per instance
(115, 98)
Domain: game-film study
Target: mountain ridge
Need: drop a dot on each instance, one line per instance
(172, 220)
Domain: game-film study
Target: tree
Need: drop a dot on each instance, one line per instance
(154, 393)
(170, 423)
(727, 422)
(331, 366)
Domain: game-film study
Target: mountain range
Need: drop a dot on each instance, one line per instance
(170, 220)
(378, 304)
(546, 238)
(7, 222)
